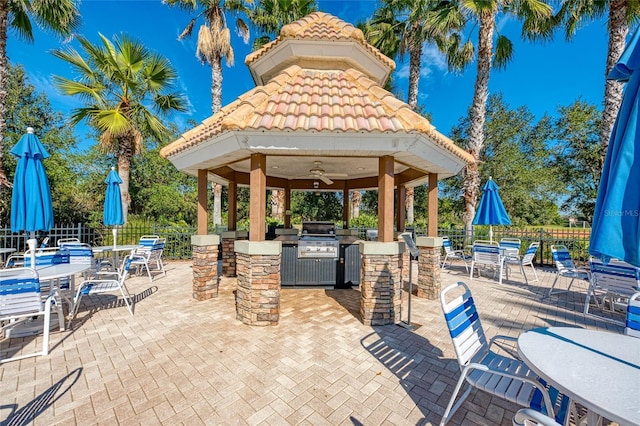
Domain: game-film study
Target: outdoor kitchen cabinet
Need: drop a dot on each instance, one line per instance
(288, 264)
(316, 271)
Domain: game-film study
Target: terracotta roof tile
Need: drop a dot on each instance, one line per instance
(306, 100)
(320, 26)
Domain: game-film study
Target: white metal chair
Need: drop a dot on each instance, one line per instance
(614, 282)
(510, 246)
(482, 368)
(530, 417)
(150, 254)
(106, 282)
(527, 260)
(632, 324)
(450, 254)
(20, 297)
(63, 241)
(565, 268)
(487, 254)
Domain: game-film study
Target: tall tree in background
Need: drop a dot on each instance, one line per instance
(60, 17)
(268, 17)
(213, 45)
(126, 90)
(620, 14)
(534, 15)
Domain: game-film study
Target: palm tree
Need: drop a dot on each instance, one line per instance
(269, 16)
(482, 14)
(61, 17)
(126, 90)
(214, 44)
(621, 14)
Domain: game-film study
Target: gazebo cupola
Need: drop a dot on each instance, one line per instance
(323, 42)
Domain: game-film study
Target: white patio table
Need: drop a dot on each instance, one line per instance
(115, 250)
(599, 370)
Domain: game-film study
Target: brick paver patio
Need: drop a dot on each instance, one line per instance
(180, 361)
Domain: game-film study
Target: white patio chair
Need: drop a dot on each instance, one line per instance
(565, 268)
(487, 254)
(614, 283)
(632, 324)
(63, 241)
(530, 417)
(105, 282)
(20, 297)
(527, 260)
(450, 254)
(510, 246)
(150, 255)
(492, 372)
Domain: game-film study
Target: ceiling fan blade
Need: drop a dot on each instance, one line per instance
(325, 179)
(337, 175)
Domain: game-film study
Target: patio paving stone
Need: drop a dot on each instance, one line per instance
(181, 361)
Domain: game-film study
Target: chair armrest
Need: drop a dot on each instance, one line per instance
(511, 349)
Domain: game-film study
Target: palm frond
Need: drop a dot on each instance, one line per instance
(225, 36)
(503, 52)
(171, 102)
(242, 29)
(206, 46)
(20, 22)
(187, 30)
(62, 17)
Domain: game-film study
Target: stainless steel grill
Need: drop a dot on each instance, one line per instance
(318, 240)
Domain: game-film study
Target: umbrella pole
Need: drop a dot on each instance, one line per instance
(490, 233)
(32, 243)
(114, 231)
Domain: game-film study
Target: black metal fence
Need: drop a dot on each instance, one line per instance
(178, 244)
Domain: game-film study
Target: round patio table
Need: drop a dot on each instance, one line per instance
(597, 369)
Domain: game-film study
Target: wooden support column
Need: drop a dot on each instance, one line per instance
(432, 206)
(257, 197)
(401, 208)
(202, 202)
(287, 207)
(385, 199)
(232, 202)
(346, 204)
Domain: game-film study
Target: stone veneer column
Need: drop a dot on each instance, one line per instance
(258, 291)
(381, 282)
(228, 253)
(429, 282)
(205, 266)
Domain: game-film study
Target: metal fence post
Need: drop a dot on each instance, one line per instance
(541, 246)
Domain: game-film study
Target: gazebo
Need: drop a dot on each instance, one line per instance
(318, 118)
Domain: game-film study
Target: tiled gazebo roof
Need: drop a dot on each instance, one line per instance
(303, 100)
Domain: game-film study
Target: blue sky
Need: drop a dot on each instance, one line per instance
(541, 76)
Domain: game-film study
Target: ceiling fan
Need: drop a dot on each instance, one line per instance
(317, 172)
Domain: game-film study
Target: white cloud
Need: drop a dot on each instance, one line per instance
(432, 60)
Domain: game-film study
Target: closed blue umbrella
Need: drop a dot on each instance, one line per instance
(491, 211)
(616, 225)
(31, 206)
(113, 214)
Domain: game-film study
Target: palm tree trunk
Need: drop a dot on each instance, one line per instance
(408, 202)
(414, 76)
(355, 204)
(124, 170)
(4, 16)
(216, 105)
(217, 204)
(477, 113)
(216, 85)
(618, 29)
(277, 205)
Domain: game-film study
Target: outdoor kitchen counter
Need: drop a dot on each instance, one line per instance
(343, 270)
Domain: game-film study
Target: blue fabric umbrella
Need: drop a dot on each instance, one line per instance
(31, 206)
(112, 213)
(616, 228)
(491, 211)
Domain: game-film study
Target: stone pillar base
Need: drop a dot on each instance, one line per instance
(429, 281)
(258, 291)
(381, 282)
(205, 266)
(228, 253)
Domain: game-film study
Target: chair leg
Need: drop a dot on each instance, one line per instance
(553, 285)
(126, 296)
(473, 263)
(535, 274)
(47, 327)
(465, 264)
(526, 280)
(444, 262)
(451, 409)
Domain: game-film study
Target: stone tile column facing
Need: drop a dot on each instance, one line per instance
(258, 288)
(381, 282)
(228, 254)
(205, 266)
(429, 281)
